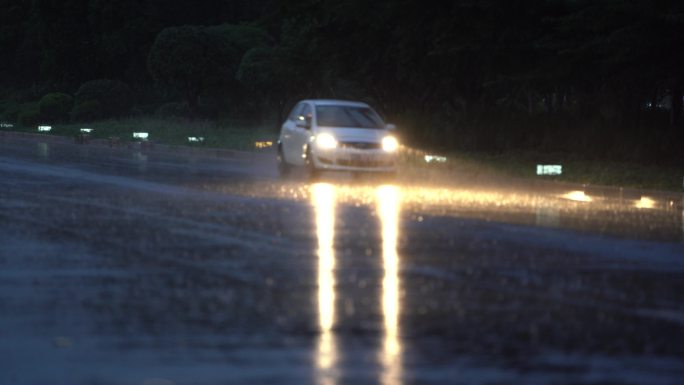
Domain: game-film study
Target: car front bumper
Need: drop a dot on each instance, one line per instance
(341, 159)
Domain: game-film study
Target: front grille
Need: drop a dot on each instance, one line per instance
(364, 163)
(360, 145)
(325, 160)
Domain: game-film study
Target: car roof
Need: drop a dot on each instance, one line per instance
(335, 102)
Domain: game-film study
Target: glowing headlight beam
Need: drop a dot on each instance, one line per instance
(645, 203)
(390, 144)
(577, 196)
(326, 141)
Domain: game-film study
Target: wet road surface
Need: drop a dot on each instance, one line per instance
(129, 266)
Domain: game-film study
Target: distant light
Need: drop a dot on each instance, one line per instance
(263, 144)
(195, 139)
(86, 130)
(6, 125)
(645, 203)
(44, 128)
(549, 169)
(141, 135)
(577, 196)
(435, 158)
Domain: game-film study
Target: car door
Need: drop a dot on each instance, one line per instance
(287, 134)
(301, 132)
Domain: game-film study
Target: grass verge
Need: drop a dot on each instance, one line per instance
(173, 131)
(524, 165)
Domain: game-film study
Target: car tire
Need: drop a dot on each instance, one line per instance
(283, 167)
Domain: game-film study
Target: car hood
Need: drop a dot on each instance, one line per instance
(343, 134)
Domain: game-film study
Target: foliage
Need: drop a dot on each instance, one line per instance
(114, 97)
(173, 109)
(9, 111)
(192, 60)
(87, 111)
(55, 107)
(589, 77)
(176, 130)
(29, 115)
(263, 72)
(241, 37)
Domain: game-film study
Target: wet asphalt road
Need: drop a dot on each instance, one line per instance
(122, 266)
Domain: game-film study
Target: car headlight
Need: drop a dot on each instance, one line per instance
(326, 141)
(390, 144)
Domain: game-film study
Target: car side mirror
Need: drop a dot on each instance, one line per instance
(390, 127)
(304, 122)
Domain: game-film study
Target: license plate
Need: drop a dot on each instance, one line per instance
(359, 158)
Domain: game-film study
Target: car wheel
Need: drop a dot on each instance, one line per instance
(283, 167)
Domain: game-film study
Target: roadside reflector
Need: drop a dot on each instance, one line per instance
(549, 169)
(263, 144)
(435, 158)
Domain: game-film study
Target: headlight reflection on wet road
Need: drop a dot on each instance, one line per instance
(323, 196)
(388, 199)
(388, 204)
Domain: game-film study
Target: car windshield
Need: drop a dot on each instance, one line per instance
(348, 116)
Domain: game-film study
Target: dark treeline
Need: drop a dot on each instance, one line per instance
(599, 79)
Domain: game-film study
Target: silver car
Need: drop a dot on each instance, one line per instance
(336, 135)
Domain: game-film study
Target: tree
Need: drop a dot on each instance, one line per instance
(12, 34)
(192, 60)
(55, 107)
(263, 72)
(103, 98)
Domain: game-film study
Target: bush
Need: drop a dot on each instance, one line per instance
(87, 111)
(9, 111)
(29, 115)
(29, 95)
(174, 110)
(115, 97)
(55, 106)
